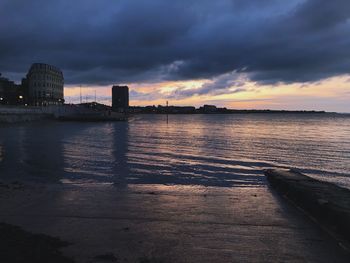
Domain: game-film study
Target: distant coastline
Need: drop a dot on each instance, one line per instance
(210, 109)
(205, 109)
(13, 114)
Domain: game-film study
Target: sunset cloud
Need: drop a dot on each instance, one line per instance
(224, 44)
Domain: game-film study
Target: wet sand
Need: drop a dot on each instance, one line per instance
(158, 223)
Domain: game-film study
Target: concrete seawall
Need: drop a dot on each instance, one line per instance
(14, 114)
(23, 117)
(327, 203)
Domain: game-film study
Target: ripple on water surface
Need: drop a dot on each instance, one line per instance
(213, 150)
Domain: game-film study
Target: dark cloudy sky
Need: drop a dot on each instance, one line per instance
(200, 50)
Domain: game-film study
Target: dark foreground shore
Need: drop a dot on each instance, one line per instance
(18, 245)
(157, 223)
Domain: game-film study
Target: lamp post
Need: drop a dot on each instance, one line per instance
(81, 99)
(20, 97)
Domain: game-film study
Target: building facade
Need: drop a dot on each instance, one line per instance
(45, 85)
(11, 93)
(120, 98)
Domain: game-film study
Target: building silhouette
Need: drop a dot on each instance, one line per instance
(44, 84)
(11, 93)
(120, 98)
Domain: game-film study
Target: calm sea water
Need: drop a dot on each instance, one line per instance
(210, 150)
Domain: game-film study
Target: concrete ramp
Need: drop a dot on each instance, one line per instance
(327, 203)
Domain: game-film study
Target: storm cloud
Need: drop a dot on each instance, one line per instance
(135, 41)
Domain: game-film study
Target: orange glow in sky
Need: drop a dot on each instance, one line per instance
(331, 94)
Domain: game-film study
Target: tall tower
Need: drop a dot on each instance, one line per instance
(120, 98)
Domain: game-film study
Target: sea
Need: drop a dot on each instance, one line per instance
(225, 150)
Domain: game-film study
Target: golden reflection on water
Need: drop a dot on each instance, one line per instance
(222, 146)
(209, 150)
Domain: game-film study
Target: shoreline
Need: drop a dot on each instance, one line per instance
(163, 223)
(27, 117)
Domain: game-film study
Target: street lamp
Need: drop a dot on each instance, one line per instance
(20, 97)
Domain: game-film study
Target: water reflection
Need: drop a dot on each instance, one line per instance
(42, 151)
(32, 151)
(210, 150)
(98, 153)
(120, 139)
(87, 155)
(186, 150)
(1, 153)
